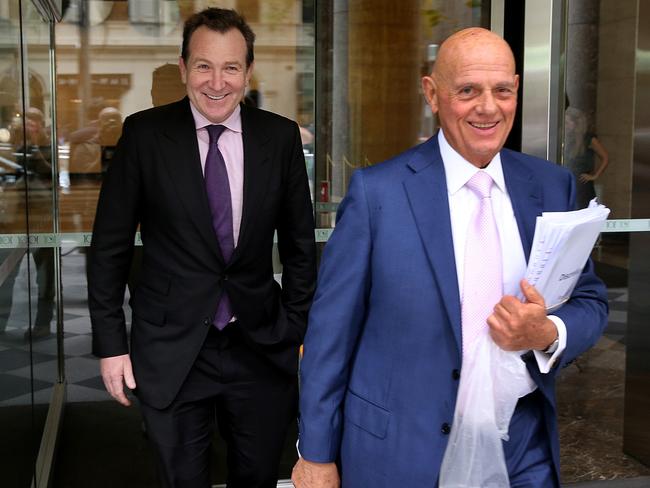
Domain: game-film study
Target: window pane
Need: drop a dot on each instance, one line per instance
(602, 396)
(372, 58)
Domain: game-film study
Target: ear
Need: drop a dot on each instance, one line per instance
(249, 72)
(516, 83)
(183, 69)
(430, 90)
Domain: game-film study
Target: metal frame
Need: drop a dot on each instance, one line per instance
(497, 16)
(50, 10)
(544, 34)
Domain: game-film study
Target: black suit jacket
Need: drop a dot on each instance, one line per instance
(156, 181)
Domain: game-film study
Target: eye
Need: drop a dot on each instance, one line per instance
(467, 91)
(504, 92)
(233, 68)
(202, 67)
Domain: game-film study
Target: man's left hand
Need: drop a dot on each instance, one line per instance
(517, 326)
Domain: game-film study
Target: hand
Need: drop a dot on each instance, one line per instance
(116, 371)
(307, 474)
(517, 326)
(585, 177)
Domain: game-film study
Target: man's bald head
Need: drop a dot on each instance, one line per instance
(473, 89)
(473, 39)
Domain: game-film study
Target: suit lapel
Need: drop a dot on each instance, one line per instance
(257, 170)
(525, 194)
(426, 189)
(180, 151)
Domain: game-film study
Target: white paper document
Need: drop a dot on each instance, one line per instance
(561, 246)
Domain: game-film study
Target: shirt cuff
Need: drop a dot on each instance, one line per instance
(545, 362)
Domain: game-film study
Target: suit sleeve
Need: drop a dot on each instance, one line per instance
(296, 244)
(335, 324)
(112, 245)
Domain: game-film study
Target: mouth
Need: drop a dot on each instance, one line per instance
(214, 97)
(483, 126)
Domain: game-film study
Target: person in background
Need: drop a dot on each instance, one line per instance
(581, 152)
(110, 128)
(214, 337)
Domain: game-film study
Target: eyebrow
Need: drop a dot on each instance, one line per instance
(473, 84)
(207, 61)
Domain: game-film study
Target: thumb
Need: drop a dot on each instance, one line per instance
(129, 379)
(531, 294)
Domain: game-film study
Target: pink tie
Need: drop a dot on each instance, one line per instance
(482, 280)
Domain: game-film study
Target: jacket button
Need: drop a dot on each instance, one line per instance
(455, 374)
(445, 429)
(206, 321)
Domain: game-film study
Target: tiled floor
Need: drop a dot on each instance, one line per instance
(591, 394)
(19, 361)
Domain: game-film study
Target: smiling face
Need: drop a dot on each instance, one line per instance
(473, 89)
(216, 74)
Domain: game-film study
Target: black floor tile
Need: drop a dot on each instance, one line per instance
(13, 386)
(17, 358)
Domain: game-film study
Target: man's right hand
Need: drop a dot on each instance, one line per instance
(116, 371)
(307, 474)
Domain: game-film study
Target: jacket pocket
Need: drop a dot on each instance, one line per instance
(366, 415)
(154, 281)
(147, 308)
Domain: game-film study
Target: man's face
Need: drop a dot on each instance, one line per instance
(215, 75)
(474, 91)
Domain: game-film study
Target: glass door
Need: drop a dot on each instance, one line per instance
(605, 115)
(115, 58)
(29, 357)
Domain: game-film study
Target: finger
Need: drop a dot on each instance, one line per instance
(493, 322)
(497, 337)
(129, 378)
(116, 390)
(508, 304)
(121, 397)
(531, 294)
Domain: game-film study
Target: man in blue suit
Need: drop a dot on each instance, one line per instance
(384, 354)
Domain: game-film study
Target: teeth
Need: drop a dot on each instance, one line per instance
(483, 126)
(215, 98)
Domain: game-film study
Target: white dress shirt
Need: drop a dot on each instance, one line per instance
(462, 204)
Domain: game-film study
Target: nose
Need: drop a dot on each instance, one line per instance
(217, 80)
(487, 103)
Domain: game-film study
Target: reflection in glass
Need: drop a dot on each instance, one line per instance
(598, 148)
(28, 348)
(584, 155)
(117, 58)
(371, 67)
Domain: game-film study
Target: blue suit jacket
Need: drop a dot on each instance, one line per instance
(384, 334)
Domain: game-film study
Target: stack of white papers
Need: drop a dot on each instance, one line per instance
(561, 246)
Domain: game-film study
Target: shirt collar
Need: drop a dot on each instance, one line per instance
(233, 122)
(458, 170)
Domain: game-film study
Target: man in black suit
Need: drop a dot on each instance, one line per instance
(213, 334)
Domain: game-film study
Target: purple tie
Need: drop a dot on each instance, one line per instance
(482, 277)
(218, 189)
